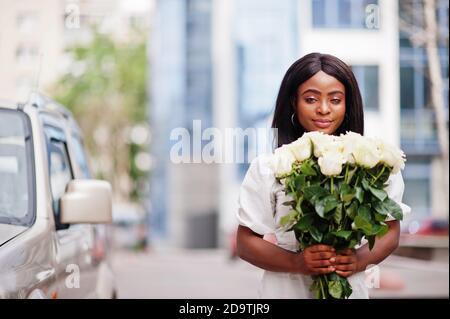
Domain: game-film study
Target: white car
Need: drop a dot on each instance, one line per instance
(53, 241)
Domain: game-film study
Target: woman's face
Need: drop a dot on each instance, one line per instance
(321, 103)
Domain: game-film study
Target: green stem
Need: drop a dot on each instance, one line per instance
(321, 287)
(357, 180)
(346, 174)
(325, 277)
(378, 176)
(332, 185)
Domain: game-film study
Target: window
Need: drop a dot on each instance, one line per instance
(367, 78)
(417, 188)
(340, 13)
(24, 84)
(59, 169)
(80, 156)
(27, 22)
(16, 169)
(26, 55)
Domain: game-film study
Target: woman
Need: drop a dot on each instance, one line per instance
(318, 93)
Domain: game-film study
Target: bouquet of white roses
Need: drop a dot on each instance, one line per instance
(336, 184)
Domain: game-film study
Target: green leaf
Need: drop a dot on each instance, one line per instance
(307, 169)
(352, 243)
(298, 206)
(365, 184)
(343, 234)
(326, 205)
(394, 209)
(378, 193)
(315, 192)
(328, 239)
(359, 194)
(300, 182)
(315, 289)
(380, 217)
(352, 210)
(351, 173)
(364, 212)
(320, 208)
(380, 230)
(305, 222)
(335, 289)
(363, 224)
(330, 203)
(347, 193)
(316, 234)
(381, 208)
(346, 287)
(337, 216)
(291, 217)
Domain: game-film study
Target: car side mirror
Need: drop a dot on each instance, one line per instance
(87, 201)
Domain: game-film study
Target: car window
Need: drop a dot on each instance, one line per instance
(80, 157)
(60, 170)
(16, 169)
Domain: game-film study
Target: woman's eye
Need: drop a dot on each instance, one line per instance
(335, 101)
(310, 100)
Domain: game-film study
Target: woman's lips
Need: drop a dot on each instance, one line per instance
(322, 123)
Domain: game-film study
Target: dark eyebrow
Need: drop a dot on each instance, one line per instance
(312, 91)
(319, 93)
(336, 92)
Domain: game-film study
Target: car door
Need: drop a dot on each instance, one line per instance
(93, 250)
(73, 242)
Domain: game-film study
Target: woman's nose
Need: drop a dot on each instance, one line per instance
(324, 108)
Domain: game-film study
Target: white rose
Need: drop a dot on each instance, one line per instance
(366, 153)
(331, 163)
(281, 161)
(349, 140)
(319, 141)
(334, 146)
(301, 149)
(391, 155)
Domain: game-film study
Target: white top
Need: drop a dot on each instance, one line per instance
(261, 200)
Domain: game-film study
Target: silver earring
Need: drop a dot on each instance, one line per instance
(292, 119)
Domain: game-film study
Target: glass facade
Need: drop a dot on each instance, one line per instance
(340, 13)
(180, 86)
(418, 125)
(368, 82)
(263, 53)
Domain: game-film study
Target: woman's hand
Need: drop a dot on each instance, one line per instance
(316, 260)
(346, 263)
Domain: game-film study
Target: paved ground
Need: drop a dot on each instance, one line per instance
(211, 274)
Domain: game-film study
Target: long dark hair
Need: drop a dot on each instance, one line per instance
(300, 72)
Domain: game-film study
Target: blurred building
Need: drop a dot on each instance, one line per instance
(34, 35)
(222, 62)
(423, 173)
(31, 40)
(183, 196)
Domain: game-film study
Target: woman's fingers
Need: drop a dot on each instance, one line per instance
(323, 270)
(322, 255)
(321, 263)
(347, 252)
(345, 259)
(321, 248)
